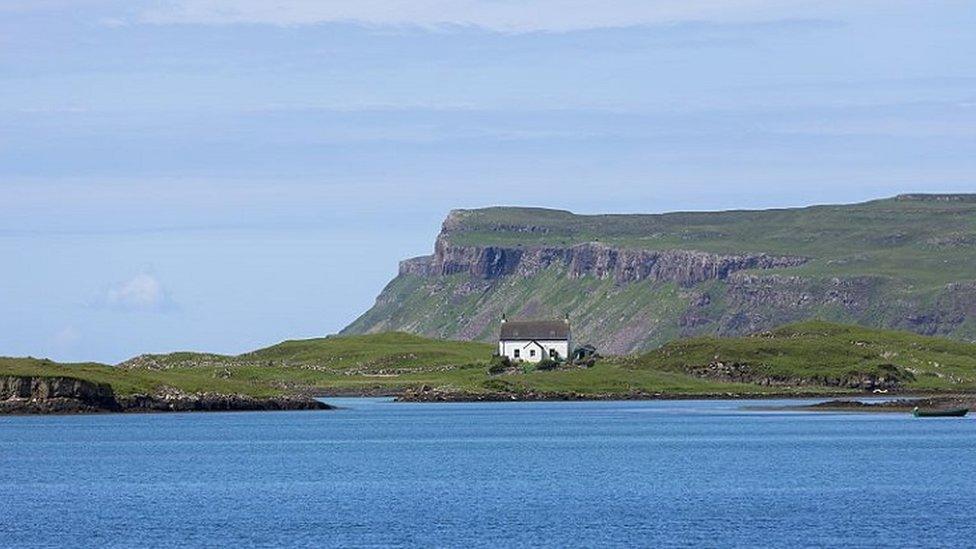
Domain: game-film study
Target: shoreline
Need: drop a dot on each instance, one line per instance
(67, 396)
(39, 395)
(426, 394)
(899, 405)
(194, 404)
(142, 404)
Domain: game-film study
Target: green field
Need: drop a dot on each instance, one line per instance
(810, 352)
(816, 350)
(136, 381)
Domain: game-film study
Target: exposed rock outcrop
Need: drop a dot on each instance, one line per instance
(176, 401)
(29, 394)
(886, 377)
(429, 394)
(685, 267)
(54, 387)
(65, 395)
(895, 405)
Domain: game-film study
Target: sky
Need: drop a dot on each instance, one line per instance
(221, 175)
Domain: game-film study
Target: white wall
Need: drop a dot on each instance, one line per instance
(525, 346)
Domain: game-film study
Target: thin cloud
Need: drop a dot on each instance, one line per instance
(527, 16)
(68, 336)
(53, 5)
(143, 292)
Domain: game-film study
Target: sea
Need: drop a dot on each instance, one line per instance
(377, 473)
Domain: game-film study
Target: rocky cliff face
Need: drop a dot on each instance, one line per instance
(53, 387)
(684, 267)
(904, 263)
(476, 278)
(65, 395)
(28, 394)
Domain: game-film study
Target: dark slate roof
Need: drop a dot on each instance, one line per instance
(535, 329)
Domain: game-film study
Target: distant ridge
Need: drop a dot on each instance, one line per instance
(919, 197)
(636, 281)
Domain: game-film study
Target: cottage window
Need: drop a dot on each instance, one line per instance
(553, 353)
(516, 353)
(531, 352)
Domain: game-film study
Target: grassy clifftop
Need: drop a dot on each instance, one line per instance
(802, 358)
(633, 282)
(928, 238)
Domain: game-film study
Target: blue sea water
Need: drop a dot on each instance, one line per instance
(378, 473)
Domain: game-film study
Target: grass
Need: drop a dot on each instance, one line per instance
(613, 377)
(816, 349)
(373, 352)
(135, 381)
(394, 361)
(599, 305)
(315, 364)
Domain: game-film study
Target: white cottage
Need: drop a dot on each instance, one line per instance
(532, 340)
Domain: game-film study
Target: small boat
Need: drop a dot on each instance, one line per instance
(951, 412)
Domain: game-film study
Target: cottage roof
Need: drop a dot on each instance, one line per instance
(535, 329)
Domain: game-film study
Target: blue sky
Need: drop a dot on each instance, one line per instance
(221, 175)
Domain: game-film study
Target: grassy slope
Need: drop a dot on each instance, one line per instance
(333, 362)
(599, 307)
(393, 361)
(818, 348)
(371, 352)
(902, 253)
(132, 381)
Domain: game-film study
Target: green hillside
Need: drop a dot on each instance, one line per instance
(330, 363)
(817, 352)
(303, 365)
(905, 263)
(136, 381)
(343, 354)
(811, 357)
(373, 364)
(373, 352)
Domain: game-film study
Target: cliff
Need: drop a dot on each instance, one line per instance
(633, 282)
(30, 394)
(684, 267)
(66, 395)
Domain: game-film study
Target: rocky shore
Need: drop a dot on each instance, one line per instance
(893, 405)
(852, 403)
(63, 395)
(431, 394)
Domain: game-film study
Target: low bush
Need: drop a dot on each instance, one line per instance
(498, 364)
(547, 364)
